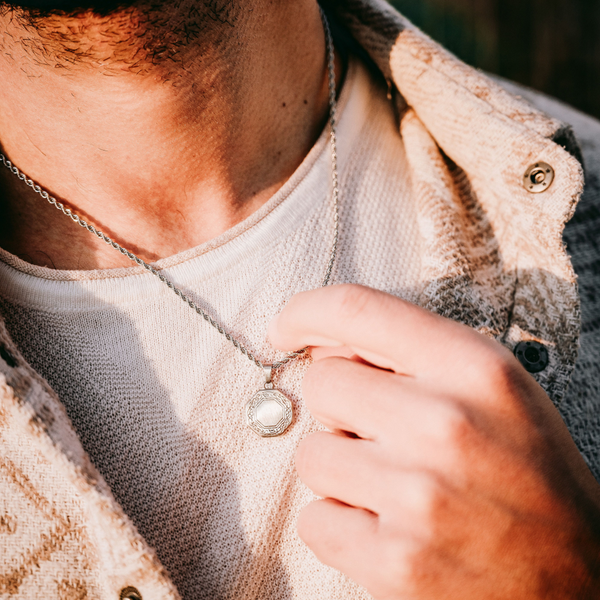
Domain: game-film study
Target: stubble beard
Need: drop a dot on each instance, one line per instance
(139, 37)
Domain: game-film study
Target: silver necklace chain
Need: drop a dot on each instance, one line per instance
(335, 198)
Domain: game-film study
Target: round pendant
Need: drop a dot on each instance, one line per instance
(269, 413)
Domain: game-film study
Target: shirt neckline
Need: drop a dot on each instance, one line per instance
(284, 214)
(307, 189)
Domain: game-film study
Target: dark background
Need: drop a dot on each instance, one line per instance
(550, 45)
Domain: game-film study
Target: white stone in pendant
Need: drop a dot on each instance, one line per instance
(269, 413)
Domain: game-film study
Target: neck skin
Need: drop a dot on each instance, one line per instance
(160, 159)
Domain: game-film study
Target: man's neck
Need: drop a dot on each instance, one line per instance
(160, 160)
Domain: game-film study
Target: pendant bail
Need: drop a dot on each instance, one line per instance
(268, 371)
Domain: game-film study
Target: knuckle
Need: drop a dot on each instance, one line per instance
(453, 425)
(448, 421)
(424, 497)
(501, 374)
(453, 437)
(419, 494)
(393, 565)
(405, 501)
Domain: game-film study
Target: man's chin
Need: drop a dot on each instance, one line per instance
(46, 7)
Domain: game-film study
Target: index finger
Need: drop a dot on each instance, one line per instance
(384, 330)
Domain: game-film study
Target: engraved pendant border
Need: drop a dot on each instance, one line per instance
(252, 407)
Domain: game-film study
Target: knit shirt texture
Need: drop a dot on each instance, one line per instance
(434, 210)
(157, 395)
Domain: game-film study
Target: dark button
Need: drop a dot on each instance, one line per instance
(130, 593)
(532, 355)
(7, 357)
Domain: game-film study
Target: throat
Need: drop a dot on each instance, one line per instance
(158, 164)
(35, 231)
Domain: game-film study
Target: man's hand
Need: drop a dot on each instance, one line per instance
(448, 473)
